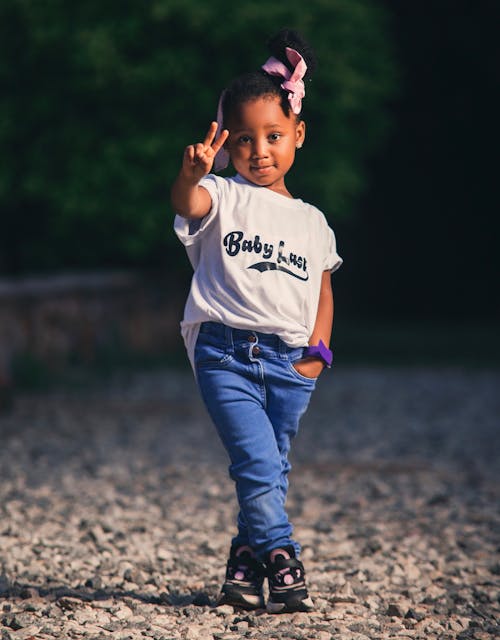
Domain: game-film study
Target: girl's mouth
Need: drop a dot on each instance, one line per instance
(262, 171)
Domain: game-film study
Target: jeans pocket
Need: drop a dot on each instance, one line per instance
(208, 352)
(299, 376)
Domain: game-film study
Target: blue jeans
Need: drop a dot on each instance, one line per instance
(255, 398)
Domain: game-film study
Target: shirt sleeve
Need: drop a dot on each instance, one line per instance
(332, 260)
(190, 232)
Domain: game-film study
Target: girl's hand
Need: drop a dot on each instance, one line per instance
(309, 367)
(199, 158)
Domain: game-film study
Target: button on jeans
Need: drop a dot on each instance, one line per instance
(255, 398)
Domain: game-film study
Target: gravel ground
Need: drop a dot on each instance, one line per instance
(116, 512)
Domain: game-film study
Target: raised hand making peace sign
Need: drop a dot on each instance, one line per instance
(188, 198)
(199, 158)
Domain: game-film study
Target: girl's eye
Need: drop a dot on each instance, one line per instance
(274, 137)
(244, 139)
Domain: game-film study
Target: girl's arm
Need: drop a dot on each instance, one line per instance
(312, 367)
(188, 199)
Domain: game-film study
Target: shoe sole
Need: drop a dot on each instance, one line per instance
(241, 601)
(281, 607)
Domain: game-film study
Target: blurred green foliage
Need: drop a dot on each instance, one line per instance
(100, 98)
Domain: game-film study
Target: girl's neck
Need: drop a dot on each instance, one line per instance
(281, 191)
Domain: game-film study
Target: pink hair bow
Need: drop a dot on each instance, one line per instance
(292, 82)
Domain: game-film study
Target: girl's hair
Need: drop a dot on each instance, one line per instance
(256, 84)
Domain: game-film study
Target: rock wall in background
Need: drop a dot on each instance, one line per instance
(75, 318)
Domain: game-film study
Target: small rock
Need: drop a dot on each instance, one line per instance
(484, 635)
(394, 610)
(123, 613)
(307, 553)
(134, 576)
(12, 622)
(344, 594)
(69, 604)
(94, 583)
(98, 536)
(458, 624)
(102, 618)
(300, 618)
(433, 592)
(357, 627)
(102, 604)
(371, 547)
(412, 614)
(157, 580)
(164, 554)
(224, 610)
(32, 608)
(372, 603)
(409, 623)
(412, 572)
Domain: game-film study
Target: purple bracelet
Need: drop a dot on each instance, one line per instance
(320, 351)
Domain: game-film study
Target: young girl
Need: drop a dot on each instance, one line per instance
(259, 314)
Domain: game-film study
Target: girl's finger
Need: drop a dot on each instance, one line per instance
(209, 138)
(220, 140)
(189, 153)
(199, 150)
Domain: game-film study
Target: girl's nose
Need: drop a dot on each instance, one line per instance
(259, 148)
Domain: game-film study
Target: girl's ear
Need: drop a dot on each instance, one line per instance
(300, 134)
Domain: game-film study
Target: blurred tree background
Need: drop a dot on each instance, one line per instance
(99, 99)
(424, 239)
(102, 97)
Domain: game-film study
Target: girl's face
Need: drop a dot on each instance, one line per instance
(262, 142)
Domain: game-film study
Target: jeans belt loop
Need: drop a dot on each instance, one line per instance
(283, 349)
(229, 339)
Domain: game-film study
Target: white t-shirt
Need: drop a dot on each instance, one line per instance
(258, 258)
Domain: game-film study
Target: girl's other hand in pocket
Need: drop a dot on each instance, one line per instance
(309, 367)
